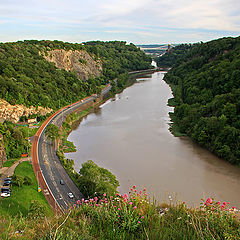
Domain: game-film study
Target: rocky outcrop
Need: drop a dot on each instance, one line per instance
(79, 61)
(13, 113)
(3, 157)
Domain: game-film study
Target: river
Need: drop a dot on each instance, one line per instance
(129, 136)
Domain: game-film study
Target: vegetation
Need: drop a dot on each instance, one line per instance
(52, 132)
(95, 181)
(27, 78)
(15, 139)
(205, 80)
(24, 191)
(129, 216)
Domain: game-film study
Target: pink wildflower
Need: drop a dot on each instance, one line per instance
(233, 207)
(104, 194)
(97, 205)
(130, 203)
(82, 199)
(95, 198)
(125, 195)
(135, 190)
(142, 217)
(139, 222)
(208, 201)
(125, 200)
(134, 186)
(140, 192)
(224, 203)
(131, 189)
(78, 201)
(144, 189)
(218, 202)
(118, 209)
(134, 207)
(111, 196)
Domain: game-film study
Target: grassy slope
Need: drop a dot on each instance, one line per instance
(21, 197)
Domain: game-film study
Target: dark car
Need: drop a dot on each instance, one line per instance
(62, 182)
(6, 184)
(8, 179)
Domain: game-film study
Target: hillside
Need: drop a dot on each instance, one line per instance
(37, 77)
(205, 79)
(53, 73)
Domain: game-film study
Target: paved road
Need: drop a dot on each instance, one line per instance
(47, 166)
(51, 168)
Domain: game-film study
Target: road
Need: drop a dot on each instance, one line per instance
(47, 166)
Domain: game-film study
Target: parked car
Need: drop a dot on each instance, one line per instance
(70, 195)
(62, 182)
(8, 179)
(5, 192)
(6, 183)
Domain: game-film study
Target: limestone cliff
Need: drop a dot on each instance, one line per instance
(3, 157)
(79, 61)
(13, 113)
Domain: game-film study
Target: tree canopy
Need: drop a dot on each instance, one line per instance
(205, 79)
(95, 181)
(26, 77)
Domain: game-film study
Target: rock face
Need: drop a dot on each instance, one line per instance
(13, 113)
(3, 157)
(79, 61)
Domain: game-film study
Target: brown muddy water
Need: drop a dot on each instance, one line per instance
(129, 136)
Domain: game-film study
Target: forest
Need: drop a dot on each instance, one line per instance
(27, 78)
(205, 79)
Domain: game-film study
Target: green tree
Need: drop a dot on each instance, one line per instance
(52, 132)
(95, 181)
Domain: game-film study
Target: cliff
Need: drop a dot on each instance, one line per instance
(13, 113)
(78, 61)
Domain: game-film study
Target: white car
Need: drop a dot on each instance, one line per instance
(5, 194)
(70, 195)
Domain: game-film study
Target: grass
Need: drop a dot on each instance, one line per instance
(21, 197)
(130, 216)
(10, 162)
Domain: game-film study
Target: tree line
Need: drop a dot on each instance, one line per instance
(205, 79)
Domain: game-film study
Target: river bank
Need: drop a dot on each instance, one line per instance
(129, 135)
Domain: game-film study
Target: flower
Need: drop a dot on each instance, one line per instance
(125, 200)
(78, 201)
(95, 199)
(142, 217)
(134, 207)
(134, 186)
(125, 195)
(208, 201)
(104, 194)
(111, 196)
(130, 203)
(218, 202)
(118, 209)
(131, 189)
(139, 222)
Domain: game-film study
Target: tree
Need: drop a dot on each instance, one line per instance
(52, 132)
(95, 181)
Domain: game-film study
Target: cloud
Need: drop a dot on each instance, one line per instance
(146, 20)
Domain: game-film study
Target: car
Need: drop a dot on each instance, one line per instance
(6, 184)
(8, 179)
(70, 195)
(62, 182)
(5, 194)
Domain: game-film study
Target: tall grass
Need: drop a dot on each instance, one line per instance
(133, 216)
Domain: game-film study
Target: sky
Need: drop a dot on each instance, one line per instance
(135, 21)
